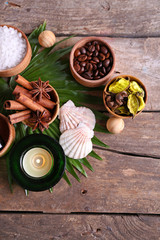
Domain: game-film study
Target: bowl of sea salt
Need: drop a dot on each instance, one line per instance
(15, 51)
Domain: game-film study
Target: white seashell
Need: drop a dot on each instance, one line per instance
(67, 116)
(77, 143)
(70, 116)
(86, 116)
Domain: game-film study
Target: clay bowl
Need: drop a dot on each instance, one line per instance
(7, 132)
(54, 97)
(79, 78)
(132, 78)
(23, 64)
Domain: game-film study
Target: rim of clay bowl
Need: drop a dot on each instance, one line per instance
(132, 79)
(24, 62)
(11, 135)
(79, 78)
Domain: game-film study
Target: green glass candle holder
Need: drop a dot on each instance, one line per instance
(37, 162)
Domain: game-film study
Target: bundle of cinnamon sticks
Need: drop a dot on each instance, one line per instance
(25, 103)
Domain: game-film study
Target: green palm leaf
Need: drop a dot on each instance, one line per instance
(49, 65)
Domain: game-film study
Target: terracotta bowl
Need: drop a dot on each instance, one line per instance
(23, 64)
(79, 78)
(132, 79)
(7, 132)
(54, 97)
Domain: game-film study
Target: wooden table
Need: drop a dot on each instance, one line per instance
(121, 199)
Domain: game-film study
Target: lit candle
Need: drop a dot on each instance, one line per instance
(37, 162)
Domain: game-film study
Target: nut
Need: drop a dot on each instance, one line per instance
(46, 39)
(115, 125)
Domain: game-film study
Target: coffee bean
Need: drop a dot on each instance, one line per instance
(101, 57)
(96, 78)
(101, 74)
(81, 70)
(99, 65)
(96, 59)
(89, 73)
(108, 55)
(96, 73)
(89, 53)
(89, 67)
(98, 47)
(94, 66)
(94, 43)
(88, 44)
(75, 61)
(77, 67)
(85, 75)
(104, 70)
(83, 50)
(91, 48)
(82, 58)
(106, 63)
(104, 50)
(95, 53)
(111, 59)
(93, 62)
(108, 69)
(77, 53)
(82, 64)
(89, 58)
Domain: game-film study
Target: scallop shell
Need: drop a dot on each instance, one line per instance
(70, 116)
(77, 143)
(67, 116)
(86, 116)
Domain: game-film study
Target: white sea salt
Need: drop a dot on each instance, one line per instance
(12, 47)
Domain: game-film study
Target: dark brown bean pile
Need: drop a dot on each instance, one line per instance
(93, 61)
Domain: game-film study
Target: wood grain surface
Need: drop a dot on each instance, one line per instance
(113, 202)
(103, 17)
(120, 184)
(79, 227)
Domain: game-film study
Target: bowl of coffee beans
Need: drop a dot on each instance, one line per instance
(125, 96)
(92, 61)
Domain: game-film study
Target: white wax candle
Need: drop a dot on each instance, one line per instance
(37, 162)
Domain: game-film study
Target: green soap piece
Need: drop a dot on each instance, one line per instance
(134, 88)
(119, 85)
(133, 104)
(141, 103)
(123, 110)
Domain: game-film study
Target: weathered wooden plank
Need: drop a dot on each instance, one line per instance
(140, 136)
(120, 184)
(105, 17)
(139, 58)
(79, 227)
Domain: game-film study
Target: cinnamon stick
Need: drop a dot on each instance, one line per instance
(22, 81)
(45, 102)
(29, 103)
(13, 105)
(19, 117)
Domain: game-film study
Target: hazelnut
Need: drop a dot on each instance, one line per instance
(46, 39)
(115, 125)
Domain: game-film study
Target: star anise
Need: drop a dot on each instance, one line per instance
(39, 120)
(40, 89)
